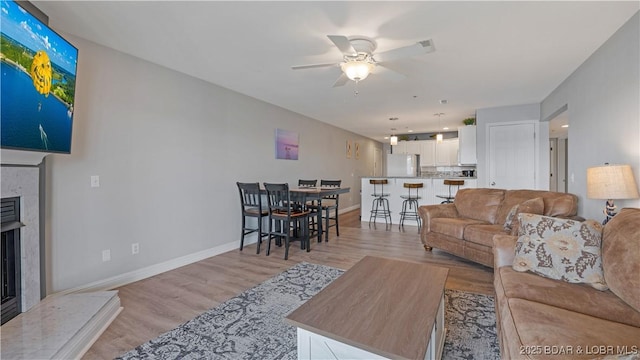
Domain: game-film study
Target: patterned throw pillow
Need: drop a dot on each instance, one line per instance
(531, 206)
(560, 249)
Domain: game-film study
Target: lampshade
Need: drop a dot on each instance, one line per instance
(611, 182)
(357, 70)
(393, 140)
(439, 138)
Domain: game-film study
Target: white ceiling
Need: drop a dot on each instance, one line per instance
(487, 54)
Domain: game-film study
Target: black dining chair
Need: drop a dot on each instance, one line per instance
(329, 204)
(307, 183)
(251, 207)
(311, 205)
(286, 215)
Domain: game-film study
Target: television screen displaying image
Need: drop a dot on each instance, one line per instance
(38, 83)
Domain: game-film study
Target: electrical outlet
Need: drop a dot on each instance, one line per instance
(106, 255)
(135, 248)
(95, 181)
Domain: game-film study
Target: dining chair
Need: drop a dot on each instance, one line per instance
(307, 183)
(286, 215)
(332, 205)
(311, 205)
(251, 207)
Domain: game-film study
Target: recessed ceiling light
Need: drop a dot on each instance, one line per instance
(565, 126)
(410, 130)
(445, 128)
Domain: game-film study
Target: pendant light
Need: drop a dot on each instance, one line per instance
(439, 136)
(393, 140)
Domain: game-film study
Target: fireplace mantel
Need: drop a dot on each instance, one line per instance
(17, 157)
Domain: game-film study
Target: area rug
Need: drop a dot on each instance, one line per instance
(252, 326)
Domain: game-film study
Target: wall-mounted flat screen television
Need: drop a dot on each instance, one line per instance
(38, 83)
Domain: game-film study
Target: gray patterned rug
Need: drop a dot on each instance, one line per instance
(251, 325)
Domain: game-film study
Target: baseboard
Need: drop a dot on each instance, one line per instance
(149, 271)
(350, 208)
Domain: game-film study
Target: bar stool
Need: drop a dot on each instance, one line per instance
(410, 204)
(380, 207)
(449, 198)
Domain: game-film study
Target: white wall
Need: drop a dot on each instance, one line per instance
(603, 103)
(505, 114)
(168, 149)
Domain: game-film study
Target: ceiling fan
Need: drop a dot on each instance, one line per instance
(359, 61)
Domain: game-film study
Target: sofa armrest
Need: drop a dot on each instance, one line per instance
(428, 212)
(504, 250)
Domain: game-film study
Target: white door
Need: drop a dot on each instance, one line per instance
(511, 156)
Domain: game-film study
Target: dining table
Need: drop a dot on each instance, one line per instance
(316, 193)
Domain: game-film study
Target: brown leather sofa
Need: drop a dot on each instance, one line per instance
(542, 318)
(466, 227)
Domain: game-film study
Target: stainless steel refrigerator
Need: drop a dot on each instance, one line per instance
(403, 165)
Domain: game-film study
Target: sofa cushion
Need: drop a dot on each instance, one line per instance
(531, 206)
(479, 204)
(580, 298)
(555, 203)
(560, 249)
(545, 330)
(451, 226)
(620, 254)
(482, 233)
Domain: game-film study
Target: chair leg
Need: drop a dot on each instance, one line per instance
(374, 210)
(337, 226)
(259, 234)
(270, 235)
(307, 235)
(242, 236)
(286, 242)
(326, 227)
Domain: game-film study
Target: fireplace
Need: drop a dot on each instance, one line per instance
(11, 270)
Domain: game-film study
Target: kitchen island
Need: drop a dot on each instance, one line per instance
(432, 186)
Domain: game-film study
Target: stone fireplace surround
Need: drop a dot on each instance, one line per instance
(24, 182)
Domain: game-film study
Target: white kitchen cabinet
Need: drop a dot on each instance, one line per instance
(413, 147)
(401, 148)
(427, 153)
(447, 152)
(467, 145)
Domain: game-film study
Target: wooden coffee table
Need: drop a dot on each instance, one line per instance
(380, 308)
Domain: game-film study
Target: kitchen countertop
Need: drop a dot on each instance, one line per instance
(420, 177)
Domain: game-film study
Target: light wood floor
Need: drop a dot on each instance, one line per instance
(155, 305)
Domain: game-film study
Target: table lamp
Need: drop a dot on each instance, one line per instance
(611, 182)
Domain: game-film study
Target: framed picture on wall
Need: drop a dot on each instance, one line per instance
(348, 149)
(286, 144)
(356, 145)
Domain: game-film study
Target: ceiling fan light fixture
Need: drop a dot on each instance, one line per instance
(357, 70)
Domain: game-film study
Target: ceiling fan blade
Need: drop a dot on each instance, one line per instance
(388, 73)
(343, 43)
(342, 80)
(421, 47)
(311, 66)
